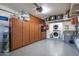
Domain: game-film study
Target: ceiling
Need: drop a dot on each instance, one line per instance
(53, 8)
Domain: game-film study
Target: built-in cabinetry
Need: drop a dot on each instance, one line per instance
(36, 29)
(16, 33)
(25, 32)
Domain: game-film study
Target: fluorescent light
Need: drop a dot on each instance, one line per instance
(45, 10)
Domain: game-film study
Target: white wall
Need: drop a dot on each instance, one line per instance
(3, 23)
(51, 28)
(61, 27)
(71, 26)
(4, 13)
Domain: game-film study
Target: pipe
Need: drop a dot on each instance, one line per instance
(36, 5)
(7, 11)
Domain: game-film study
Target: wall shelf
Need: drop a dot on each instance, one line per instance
(59, 20)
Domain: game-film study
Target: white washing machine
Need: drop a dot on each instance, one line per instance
(55, 30)
(56, 34)
(55, 27)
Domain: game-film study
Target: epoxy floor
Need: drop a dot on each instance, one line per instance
(48, 47)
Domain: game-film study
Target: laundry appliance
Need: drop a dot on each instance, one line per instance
(56, 34)
(55, 30)
(4, 34)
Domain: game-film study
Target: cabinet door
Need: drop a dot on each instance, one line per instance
(39, 27)
(43, 35)
(16, 40)
(13, 35)
(32, 33)
(36, 32)
(10, 34)
(26, 31)
(19, 31)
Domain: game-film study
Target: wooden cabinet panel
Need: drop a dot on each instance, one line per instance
(10, 34)
(26, 33)
(16, 40)
(43, 34)
(39, 27)
(36, 32)
(23, 33)
(32, 33)
(19, 31)
(13, 35)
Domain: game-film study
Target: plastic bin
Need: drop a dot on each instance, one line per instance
(68, 37)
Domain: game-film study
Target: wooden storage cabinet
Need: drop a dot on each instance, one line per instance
(19, 31)
(36, 32)
(26, 33)
(32, 33)
(16, 36)
(39, 32)
(43, 35)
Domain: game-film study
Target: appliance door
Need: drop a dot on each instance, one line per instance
(55, 27)
(56, 34)
(4, 36)
(1, 37)
(5, 44)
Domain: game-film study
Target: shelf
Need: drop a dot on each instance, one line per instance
(76, 10)
(69, 31)
(60, 20)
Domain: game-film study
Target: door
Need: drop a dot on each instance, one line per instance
(43, 35)
(32, 32)
(26, 31)
(36, 32)
(39, 27)
(16, 34)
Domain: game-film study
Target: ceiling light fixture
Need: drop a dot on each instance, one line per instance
(45, 10)
(41, 9)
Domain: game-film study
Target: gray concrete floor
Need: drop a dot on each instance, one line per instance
(48, 47)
